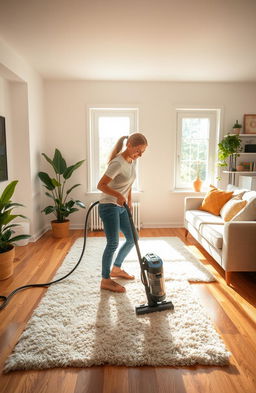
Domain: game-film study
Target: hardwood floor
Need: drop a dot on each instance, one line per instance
(232, 310)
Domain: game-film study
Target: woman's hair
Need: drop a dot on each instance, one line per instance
(134, 139)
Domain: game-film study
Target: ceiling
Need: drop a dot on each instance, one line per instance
(147, 40)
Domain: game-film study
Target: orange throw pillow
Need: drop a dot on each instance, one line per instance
(215, 199)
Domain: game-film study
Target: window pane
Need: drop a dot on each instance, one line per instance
(194, 149)
(111, 128)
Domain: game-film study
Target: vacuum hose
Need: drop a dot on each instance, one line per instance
(5, 299)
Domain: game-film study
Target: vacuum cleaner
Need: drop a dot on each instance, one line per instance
(152, 277)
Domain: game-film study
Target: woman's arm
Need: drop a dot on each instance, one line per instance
(104, 187)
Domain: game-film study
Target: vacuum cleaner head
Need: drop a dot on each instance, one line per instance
(146, 309)
(152, 266)
(152, 277)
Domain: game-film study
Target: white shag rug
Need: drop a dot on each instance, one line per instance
(179, 262)
(78, 325)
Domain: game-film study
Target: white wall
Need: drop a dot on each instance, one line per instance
(66, 110)
(21, 102)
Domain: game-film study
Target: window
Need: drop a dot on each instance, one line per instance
(196, 146)
(106, 127)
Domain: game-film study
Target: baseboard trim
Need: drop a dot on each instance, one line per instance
(161, 225)
(143, 225)
(39, 234)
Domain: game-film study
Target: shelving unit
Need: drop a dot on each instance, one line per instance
(232, 174)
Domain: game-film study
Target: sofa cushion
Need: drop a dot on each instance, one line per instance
(231, 208)
(248, 213)
(249, 195)
(215, 199)
(199, 217)
(213, 234)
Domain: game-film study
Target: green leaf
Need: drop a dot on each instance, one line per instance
(55, 183)
(7, 217)
(19, 237)
(70, 189)
(70, 203)
(68, 172)
(11, 226)
(12, 205)
(8, 192)
(49, 209)
(59, 162)
(49, 160)
(74, 209)
(50, 195)
(45, 178)
(5, 236)
(81, 204)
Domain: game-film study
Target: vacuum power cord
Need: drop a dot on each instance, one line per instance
(5, 299)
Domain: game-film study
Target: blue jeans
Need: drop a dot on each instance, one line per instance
(115, 219)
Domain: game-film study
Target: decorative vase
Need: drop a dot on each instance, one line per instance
(60, 229)
(197, 184)
(6, 263)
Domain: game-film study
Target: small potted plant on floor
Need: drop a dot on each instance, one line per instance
(7, 240)
(62, 205)
(229, 148)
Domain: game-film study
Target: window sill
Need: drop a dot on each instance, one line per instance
(188, 191)
(99, 192)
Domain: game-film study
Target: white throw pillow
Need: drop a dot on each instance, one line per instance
(231, 208)
(248, 213)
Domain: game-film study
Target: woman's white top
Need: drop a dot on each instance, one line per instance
(123, 174)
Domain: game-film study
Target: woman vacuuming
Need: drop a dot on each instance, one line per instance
(116, 184)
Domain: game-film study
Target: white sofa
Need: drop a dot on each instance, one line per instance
(232, 244)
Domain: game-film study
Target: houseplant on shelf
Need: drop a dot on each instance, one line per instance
(62, 205)
(7, 240)
(237, 128)
(229, 148)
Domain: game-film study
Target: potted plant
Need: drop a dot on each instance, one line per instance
(7, 240)
(229, 148)
(237, 128)
(62, 205)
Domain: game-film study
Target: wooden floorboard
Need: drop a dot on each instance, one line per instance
(232, 310)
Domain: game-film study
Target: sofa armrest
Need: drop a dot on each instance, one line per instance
(239, 246)
(193, 203)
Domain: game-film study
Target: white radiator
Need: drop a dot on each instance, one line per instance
(97, 225)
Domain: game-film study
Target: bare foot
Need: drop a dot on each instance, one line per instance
(117, 272)
(110, 285)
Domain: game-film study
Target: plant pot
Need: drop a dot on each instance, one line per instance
(236, 131)
(6, 263)
(239, 168)
(60, 229)
(197, 184)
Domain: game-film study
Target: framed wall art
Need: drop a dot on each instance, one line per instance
(3, 152)
(250, 124)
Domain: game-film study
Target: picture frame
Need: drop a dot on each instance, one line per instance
(250, 124)
(3, 151)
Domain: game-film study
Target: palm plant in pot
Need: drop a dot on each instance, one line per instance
(62, 205)
(7, 237)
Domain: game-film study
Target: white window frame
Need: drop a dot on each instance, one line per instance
(93, 140)
(214, 116)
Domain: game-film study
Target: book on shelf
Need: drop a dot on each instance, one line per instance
(248, 166)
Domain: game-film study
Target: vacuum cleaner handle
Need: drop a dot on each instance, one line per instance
(134, 232)
(144, 278)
